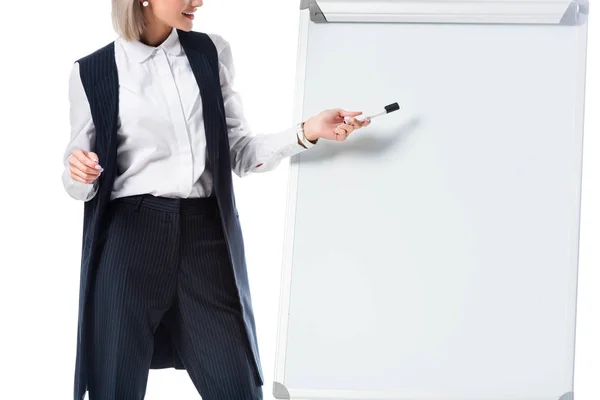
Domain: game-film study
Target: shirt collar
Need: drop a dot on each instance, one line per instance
(141, 52)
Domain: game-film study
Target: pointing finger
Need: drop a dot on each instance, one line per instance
(345, 113)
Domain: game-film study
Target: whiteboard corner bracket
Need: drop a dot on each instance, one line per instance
(576, 13)
(316, 15)
(281, 392)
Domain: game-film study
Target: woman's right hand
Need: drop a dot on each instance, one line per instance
(84, 166)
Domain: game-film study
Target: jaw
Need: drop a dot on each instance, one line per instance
(184, 24)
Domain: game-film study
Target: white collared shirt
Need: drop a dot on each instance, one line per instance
(161, 140)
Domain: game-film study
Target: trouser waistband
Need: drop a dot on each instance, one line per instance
(171, 205)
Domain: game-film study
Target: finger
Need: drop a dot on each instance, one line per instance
(78, 179)
(92, 156)
(340, 134)
(77, 172)
(344, 128)
(345, 113)
(86, 165)
(81, 180)
(84, 170)
(83, 166)
(82, 177)
(362, 124)
(356, 124)
(348, 128)
(82, 157)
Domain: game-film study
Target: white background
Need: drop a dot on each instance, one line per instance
(41, 224)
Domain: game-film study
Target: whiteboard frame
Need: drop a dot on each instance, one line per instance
(565, 12)
(279, 390)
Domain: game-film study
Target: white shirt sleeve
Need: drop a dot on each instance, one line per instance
(82, 136)
(249, 152)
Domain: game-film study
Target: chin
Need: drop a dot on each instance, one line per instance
(185, 25)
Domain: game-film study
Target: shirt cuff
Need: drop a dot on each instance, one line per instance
(287, 143)
(79, 190)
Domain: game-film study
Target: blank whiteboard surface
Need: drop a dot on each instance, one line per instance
(433, 255)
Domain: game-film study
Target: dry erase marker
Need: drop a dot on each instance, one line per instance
(386, 110)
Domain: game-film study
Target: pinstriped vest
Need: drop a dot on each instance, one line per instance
(99, 77)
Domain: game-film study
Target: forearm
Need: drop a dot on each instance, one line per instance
(264, 152)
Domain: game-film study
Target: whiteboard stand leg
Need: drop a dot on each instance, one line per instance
(281, 392)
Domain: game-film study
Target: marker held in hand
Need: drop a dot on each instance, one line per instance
(387, 109)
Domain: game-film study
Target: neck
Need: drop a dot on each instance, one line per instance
(155, 32)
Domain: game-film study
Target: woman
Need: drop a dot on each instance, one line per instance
(156, 131)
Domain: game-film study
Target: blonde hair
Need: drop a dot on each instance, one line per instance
(128, 18)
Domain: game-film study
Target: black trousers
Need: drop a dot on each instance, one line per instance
(165, 261)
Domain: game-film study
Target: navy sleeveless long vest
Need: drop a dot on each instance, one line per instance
(99, 76)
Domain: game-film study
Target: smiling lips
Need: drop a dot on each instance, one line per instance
(189, 15)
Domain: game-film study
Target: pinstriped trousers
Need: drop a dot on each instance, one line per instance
(165, 261)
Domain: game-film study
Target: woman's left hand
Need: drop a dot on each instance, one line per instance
(330, 125)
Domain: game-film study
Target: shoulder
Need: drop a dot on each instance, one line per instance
(104, 52)
(96, 66)
(223, 47)
(214, 40)
(205, 38)
(219, 41)
(220, 45)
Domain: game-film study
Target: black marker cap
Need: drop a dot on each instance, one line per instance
(392, 107)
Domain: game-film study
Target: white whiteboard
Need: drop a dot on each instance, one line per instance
(433, 255)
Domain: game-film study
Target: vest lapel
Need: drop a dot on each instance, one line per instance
(203, 60)
(101, 83)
